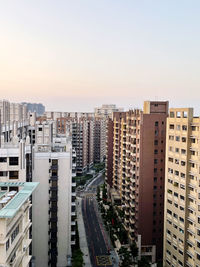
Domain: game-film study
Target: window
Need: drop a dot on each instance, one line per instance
(178, 127)
(169, 212)
(183, 139)
(155, 161)
(156, 123)
(5, 173)
(176, 161)
(182, 186)
(177, 150)
(175, 216)
(13, 161)
(185, 114)
(184, 127)
(7, 244)
(40, 129)
(181, 231)
(14, 233)
(182, 175)
(183, 151)
(171, 126)
(156, 142)
(176, 173)
(180, 262)
(178, 138)
(13, 174)
(3, 159)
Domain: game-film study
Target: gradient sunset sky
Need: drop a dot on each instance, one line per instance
(77, 54)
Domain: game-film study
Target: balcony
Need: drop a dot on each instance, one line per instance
(132, 196)
(54, 167)
(53, 178)
(53, 188)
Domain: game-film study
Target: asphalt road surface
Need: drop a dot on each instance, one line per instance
(97, 241)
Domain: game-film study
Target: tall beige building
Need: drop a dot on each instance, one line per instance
(182, 189)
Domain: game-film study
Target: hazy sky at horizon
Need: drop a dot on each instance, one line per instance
(75, 55)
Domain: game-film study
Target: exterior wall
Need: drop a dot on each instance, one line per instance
(55, 218)
(18, 151)
(17, 251)
(15, 224)
(64, 208)
(181, 234)
(151, 179)
(109, 153)
(40, 209)
(139, 173)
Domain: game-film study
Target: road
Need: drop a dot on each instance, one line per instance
(97, 241)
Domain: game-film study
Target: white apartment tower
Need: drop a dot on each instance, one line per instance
(54, 199)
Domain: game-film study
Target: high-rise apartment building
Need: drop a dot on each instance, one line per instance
(99, 139)
(15, 223)
(82, 135)
(138, 145)
(54, 200)
(35, 107)
(182, 189)
(106, 111)
(4, 111)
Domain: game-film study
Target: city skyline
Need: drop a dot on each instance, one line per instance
(74, 55)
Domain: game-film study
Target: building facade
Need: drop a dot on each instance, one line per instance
(138, 173)
(182, 205)
(15, 223)
(53, 161)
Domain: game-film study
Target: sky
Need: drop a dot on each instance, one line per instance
(74, 55)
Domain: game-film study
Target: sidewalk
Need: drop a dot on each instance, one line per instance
(82, 234)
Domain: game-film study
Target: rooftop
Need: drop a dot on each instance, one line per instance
(12, 201)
